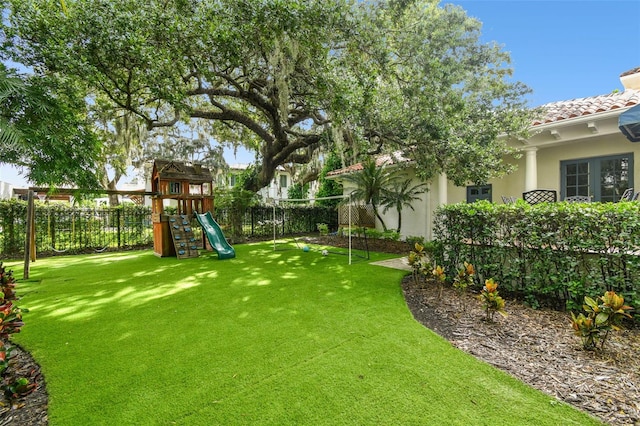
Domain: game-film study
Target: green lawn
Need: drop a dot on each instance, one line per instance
(269, 338)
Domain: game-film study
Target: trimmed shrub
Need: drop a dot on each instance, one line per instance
(551, 254)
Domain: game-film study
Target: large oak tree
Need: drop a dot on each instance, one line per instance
(287, 77)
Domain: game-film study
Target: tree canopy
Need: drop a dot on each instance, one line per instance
(289, 77)
(43, 130)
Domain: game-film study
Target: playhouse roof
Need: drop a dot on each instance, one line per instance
(176, 170)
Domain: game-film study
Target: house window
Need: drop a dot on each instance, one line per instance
(232, 180)
(479, 192)
(603, 178)
(283, 181)
(174, 188)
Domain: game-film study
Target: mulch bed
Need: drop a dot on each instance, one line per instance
(535, 346)
(32, 409)
(539, 348)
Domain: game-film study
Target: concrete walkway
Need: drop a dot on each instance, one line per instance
(397, 263)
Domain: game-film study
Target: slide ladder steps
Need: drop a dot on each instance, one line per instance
(183, 238)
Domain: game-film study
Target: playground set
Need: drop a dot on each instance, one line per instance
(192, 187)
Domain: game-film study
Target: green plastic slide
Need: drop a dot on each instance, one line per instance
(215, 236)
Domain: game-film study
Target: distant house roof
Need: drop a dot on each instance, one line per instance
(564, 110)
(381, 160)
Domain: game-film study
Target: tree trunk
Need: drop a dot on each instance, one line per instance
(375, 211)
(113, 198)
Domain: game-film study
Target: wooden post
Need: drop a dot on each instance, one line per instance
(30, 235)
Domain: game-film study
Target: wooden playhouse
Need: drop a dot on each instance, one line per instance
(191, 186)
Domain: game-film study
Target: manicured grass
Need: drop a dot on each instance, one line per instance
(269, 338)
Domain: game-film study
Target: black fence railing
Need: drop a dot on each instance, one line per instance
(259, 221)
(62, 229)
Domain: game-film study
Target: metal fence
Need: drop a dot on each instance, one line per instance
(62, 229)
(259, 221)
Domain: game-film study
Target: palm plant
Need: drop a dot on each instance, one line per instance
(15, 95)
(371, 184)
(402, 194)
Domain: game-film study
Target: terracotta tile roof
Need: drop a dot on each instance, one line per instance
(564, 110)
(381, 160)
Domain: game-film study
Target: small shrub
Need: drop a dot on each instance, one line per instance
(390, 235)
(374, 234)
(440, 277)
(603, 314)
(491, 301)
(17, 389)
(418, 260)
(463, 280)
(413, 240)
(323, 228)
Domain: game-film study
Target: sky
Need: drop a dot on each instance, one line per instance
(562, 50)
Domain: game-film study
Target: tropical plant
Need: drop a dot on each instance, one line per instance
(463, 281)
(440, 277)
(418, 261)
(604, 314)
(491, 300)
(370, 184)
(7, 284)
(10, 323)
(401, 194)
(17, 389)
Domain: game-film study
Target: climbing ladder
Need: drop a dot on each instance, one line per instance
(183, 238)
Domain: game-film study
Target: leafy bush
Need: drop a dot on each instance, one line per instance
(550, 254)
(323, 228)
(415, 239)
(603, 315)
(10, 323)
(491, 301)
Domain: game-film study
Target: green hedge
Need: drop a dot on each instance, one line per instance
(550, 254)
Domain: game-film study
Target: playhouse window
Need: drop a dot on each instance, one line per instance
(174, 188)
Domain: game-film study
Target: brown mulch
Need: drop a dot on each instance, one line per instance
(535, 346)
(32, 409)
(539, 348)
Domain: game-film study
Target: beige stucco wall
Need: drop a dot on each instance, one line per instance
(549, 159)
(548, 165)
